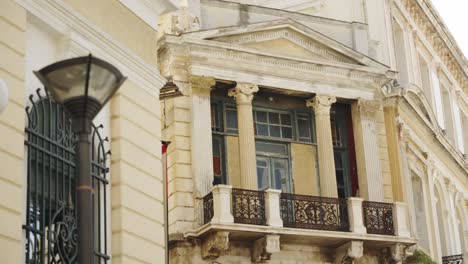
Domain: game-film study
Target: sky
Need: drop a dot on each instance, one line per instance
(455, 15)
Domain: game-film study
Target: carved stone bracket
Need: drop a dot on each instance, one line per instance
(178, 22)
(264, 247)
(321, 104)
(214, 244)
(349, 252)
(243, 92)
(395, 254)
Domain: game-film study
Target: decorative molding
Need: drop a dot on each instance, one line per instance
(214, 244)
(201, 85)
(178, 22)
(368, 108)
(243, 93)
(265, 246)
(82, 37)
(321, 104)
(149, 10)
(349, 252)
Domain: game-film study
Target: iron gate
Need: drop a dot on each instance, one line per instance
(51, 228)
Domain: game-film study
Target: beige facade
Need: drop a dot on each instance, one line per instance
(300, 131)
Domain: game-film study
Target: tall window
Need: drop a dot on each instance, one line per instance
(343, 147)
(50, 228)
(420, 212)
(425, 81)
(448, 114)
(400, 53)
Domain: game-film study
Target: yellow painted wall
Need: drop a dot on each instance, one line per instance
(12, 168)
(384, 157)
(304, 169)
(233, 165)
(136, 177)
(114, 18)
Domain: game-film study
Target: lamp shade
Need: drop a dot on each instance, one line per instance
(81, 83)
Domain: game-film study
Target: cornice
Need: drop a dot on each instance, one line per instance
(433, 31)
(83, 36)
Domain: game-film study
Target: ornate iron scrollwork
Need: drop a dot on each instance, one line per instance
(311, 212)
(378, 218)
(455, 259)
(208, 210)
(248, 207)
(50, 218)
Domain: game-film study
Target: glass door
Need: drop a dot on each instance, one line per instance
(273, 166)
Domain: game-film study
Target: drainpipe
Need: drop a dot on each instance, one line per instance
(165, 145)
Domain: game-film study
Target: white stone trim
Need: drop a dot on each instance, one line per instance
(83, 37)
(149, 10)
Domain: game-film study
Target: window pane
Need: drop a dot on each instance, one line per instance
(287, 132)
(286, 119)
(281, 149)
(215, 117)
(262, 130)
(281, 174)
(275, 131)
(304, 128)
(273, 118)
(261, 117)
(231, 120)
(263, 171)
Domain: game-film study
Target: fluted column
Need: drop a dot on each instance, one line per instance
(367, 150)
(326, 160)
(244, 93)
(201, 142)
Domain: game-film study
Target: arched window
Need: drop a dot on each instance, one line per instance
(51, 234)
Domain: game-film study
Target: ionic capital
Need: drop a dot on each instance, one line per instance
(321, 104)
(243, 92)
(201, 85)
(368, 108)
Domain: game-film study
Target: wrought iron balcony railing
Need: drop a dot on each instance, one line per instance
(378, 218)
(311, 212)
(248, 207)
(227, 205)
(455, 259)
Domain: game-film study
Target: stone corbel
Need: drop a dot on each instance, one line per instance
(349, 252)
(178, 22)
(264, 247)
(214, 244)
(395, 254)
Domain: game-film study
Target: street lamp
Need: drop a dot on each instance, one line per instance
(83, 85)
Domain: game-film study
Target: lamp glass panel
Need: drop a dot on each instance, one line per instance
(67, 82)
(102, 83)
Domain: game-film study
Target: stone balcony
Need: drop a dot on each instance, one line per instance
(269, 217)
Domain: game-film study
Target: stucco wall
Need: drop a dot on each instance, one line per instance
(127, 28)
(12, 179)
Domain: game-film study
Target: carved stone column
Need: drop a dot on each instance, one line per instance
(349, 252)
(367, 150)
(244, 93)
(201, 142)
(326, 160)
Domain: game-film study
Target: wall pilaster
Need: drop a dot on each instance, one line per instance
(322, 105)
(244, 93)
(201, 141)
(367, 150)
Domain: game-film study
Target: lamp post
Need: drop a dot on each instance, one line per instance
(83, 85)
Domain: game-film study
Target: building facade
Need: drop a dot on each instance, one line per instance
(314, 132)
(318, 131)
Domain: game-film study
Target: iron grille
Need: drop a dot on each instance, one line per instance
(208, 208)
(455, 259)
(248, 207)
(51, 230)
(378, 217)
(311, 212)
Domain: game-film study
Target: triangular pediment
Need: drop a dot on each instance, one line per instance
(288, 38)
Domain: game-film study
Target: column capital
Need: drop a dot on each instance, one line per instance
(321, 104)
(201, 85)
(368, 108)
(243, 92)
